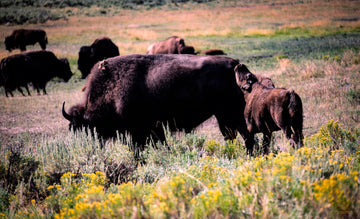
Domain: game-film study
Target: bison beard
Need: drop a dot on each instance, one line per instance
(137, 94)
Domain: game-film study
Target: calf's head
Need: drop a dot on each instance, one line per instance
(244, 78)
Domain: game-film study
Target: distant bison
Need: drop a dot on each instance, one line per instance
(171, 45)
(137, 94)
(270, 109)
(32, 67)
(188, 50)
(100, 49)
(213, 52)
(22, 37)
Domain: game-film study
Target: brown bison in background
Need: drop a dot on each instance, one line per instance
(33, 67)
(100, 49)
(270, 109)
(138, 94)
(22, 37)
(171, 45)
(213, 52)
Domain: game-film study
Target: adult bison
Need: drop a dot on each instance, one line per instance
(137, 94)
(172, 45)
(22, 37)
(100, 49)
(32, 67)
(270, 109)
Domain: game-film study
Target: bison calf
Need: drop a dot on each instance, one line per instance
(33, 67)
(22, 37)
(270, 109)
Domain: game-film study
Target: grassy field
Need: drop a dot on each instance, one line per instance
(310, 46)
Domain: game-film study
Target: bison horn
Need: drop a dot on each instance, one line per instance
(66, 116)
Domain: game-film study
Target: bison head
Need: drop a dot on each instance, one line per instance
(75, 117)
(9, 43)
(86, 60)
(244, 78)
(65, 69)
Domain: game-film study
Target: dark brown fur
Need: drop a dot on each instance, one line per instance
(137, 94)
(23, 37)
(270, 109)
(100, 49)
(33, 67)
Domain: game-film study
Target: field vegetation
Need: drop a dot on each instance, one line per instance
(311, 46)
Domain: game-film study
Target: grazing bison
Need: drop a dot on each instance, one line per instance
(22, 37)
(171, 45)
(270, 109)
(100, 49)
(213, 52)
(137, 94)
(32, 67)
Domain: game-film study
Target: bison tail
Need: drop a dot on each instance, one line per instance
(296, 115)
